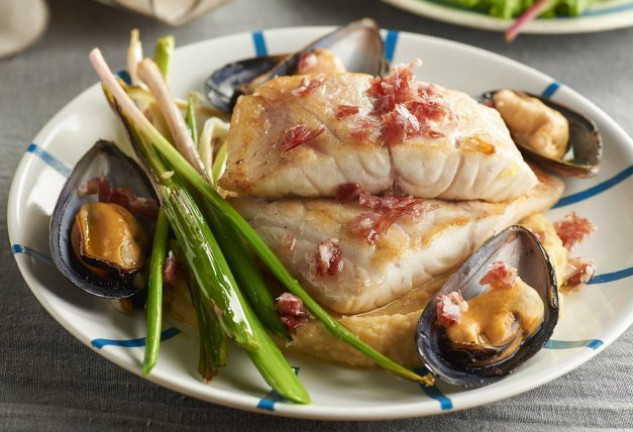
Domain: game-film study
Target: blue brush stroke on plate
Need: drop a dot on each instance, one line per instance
(435, 393)
(611, 277)
(595, 190)
(563, 344)
(260, 44)
(550, 90)
(391, 40)
(268, 402)
(49, 159)
(133, 343)
(18, 248)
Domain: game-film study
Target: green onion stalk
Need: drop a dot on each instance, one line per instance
(154, 304)
(182, 167)
(213, 341)
(250, 279)
(162, 55)
(205, 259)
(213, 345)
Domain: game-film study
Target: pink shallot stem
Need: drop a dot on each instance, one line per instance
(109, 80)
(149, 73)
(531, 13)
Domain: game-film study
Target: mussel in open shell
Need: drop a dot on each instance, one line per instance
(100, 244)
(357, 45)
(475, 364)
(581, 153)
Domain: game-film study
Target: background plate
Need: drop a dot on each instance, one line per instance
(592, 317)
(603, 16)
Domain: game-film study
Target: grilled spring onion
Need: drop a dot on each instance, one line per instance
(213, 341)
(162, 55)
(212, 273)
(154, 303)
(192, 232)
(248, 275)
(180, 165)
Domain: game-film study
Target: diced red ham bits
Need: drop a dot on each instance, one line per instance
(500, 276)
(579, 271)
(369, 226)
(343, 111)
(299, 134)
(405, 107)
(170, 269)
(449, 308)
(95, 186)
(307, 86)
(307, 61)
(348, 192)
(404, 204)
(365, 129)
(121, 195)
(329, 258)
(573, 229)
(385, 211)
(399, 124)
(291, 310)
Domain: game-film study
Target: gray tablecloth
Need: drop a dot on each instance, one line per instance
(50, 381)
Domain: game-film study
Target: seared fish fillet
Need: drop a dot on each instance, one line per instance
(306, 135)
(364, 275)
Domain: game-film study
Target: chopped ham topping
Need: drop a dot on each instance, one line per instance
(91, 187)
(398, 87)
(500, 276)
(299, 134)
(573, 229)
(399, 124)
(170, 269)
(291, 310)
(365, 129)
(404, 204)
(579, 271)
(121, 195)
(96, 186)
(385, 211)
(347, 192)
(406, 107)
(449, 308)
(307, 86)
(343, 111)
(138, 206)
(288, 242)
(369, 226)
(328, 258)
(308, 60)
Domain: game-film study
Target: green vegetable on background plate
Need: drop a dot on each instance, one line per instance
(507, 9)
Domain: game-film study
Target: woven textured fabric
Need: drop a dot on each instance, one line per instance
(49, 381)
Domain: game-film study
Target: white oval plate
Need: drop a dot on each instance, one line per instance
(592, 318)
(607, 15)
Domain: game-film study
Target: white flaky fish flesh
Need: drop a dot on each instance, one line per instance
(360, 255)
(306, 135)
